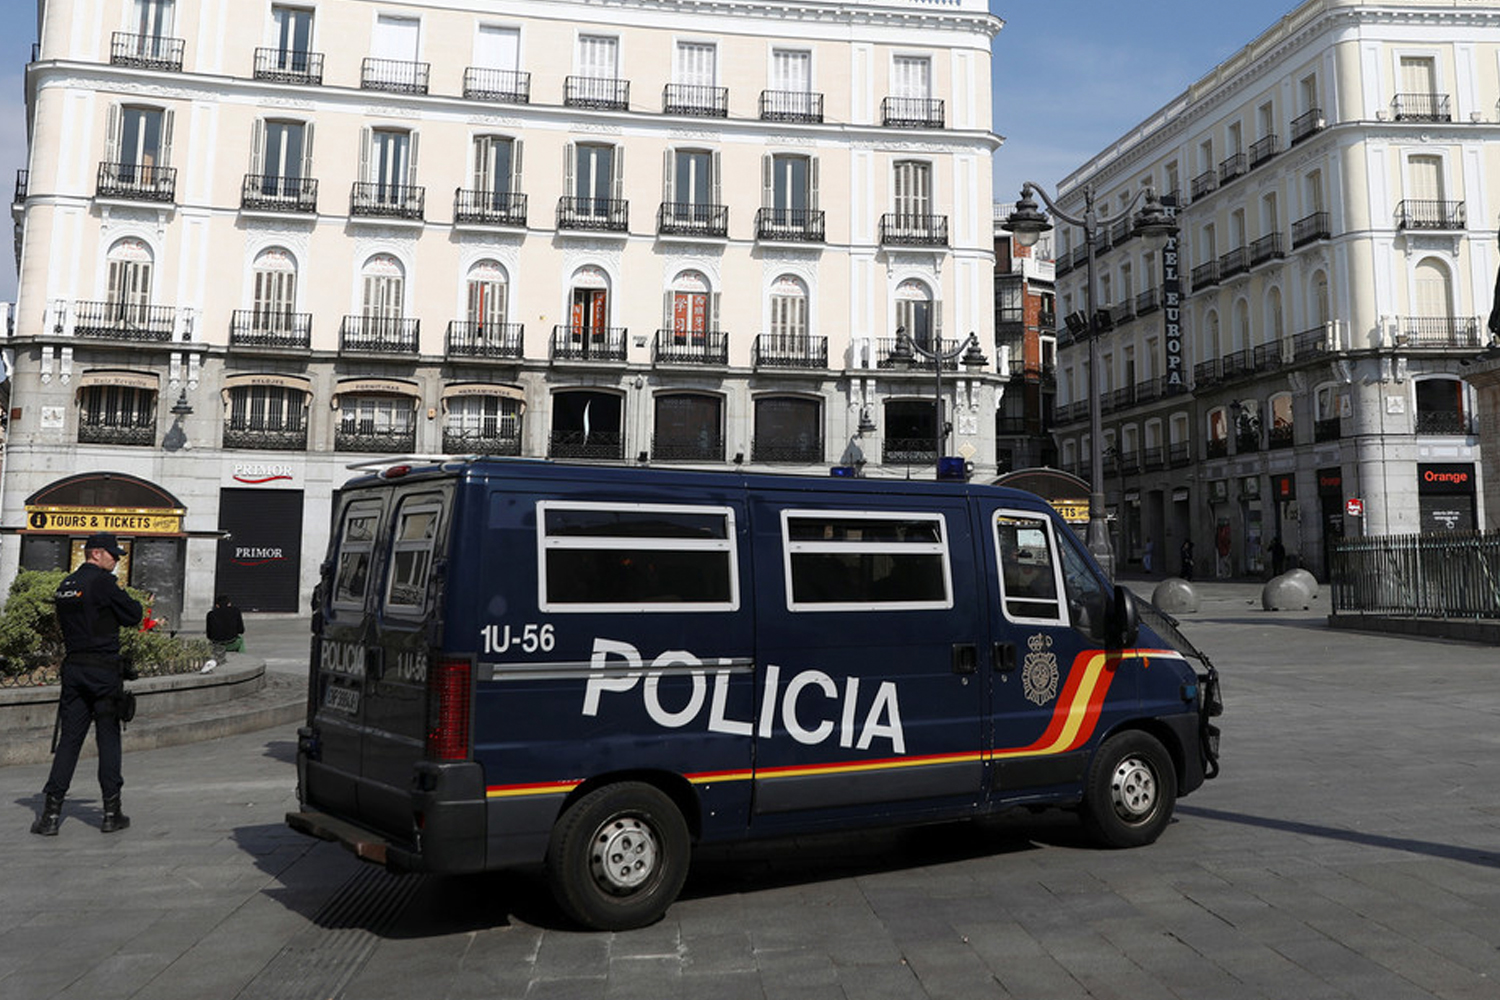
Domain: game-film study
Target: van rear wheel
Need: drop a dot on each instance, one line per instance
(618, 857)
(1132, 789)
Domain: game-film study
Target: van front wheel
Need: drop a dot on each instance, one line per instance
(618, 857)
(1132, 788)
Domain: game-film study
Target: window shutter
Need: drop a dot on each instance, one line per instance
(515, 166)
(411, 159)
(479, 166)
(258, 147)
(713, 312)
(166, 138)
(570, 161)
(307, 150)
(718, 188)
(666, 310)
(112, 135)
(812, 183)
(365, 139)
(937, 323)
(767, 181)
(618, 192)
(668, 174)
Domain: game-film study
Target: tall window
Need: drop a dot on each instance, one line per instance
(586, 424)
(139, 140)
(130, 271)
(916, 314)
(911, 76)
(489, 425)
(791, 70)
(396, 38)
(696, 64)
(690, 308)
(788, 429)
(497, 47)
(788, 323)
(487, 293)
(689, 427)
(266, 416)
(281, 155)
(1426, 174)
(293, 28)
(913, 189)
(692, 184)
(377, 423)
(384, 289)
(593, 177)
(598, 57)
(496, 164)
(790, 187)
(1434, 289)
(388, 162)
(275, 300)
(116, 414)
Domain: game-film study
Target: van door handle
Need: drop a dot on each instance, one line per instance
(1004, 655)
(965, 658)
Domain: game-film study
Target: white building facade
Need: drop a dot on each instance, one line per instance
(1295, 365)
(259, 242)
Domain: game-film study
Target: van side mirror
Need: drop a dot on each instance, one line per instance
(1124, 620)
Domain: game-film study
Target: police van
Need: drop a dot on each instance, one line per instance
(520, 663)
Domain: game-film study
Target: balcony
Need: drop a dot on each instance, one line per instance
(1205, 275)
(1216, 448)
(1310, 344)
(1148, 301)
(23, 183)
(1069, 413)
(1421, 108)
(1122, 232)
(125, 435)
(1236, 364)
(690, 219)
(1231, 167)
(1263, 149)
(911, 112)
(908, 451)
(885, 347)
(1311, 228)
(1421, 213)
(578, 343)
(903, 229)
(503, 86)
(598, 93)
(1267, 248)
(266, 438)
(791, 225)
(489, 208)
(396, 441)
(1247, 439)
(124, 321)
(267, 193)
(136, 182)
(1179, 455)
(473, 442)
(1307, 125)
(695, 100)
(791, 106)
(1443, 422)
(773, 350)
(1328, 429)
(1268, 357)
(1205, 373)
(146, 51)
(1203, 184)
(1122, 313)
(379, 334)
(1236, 261)
(610, 215)
(1440, 331)
(396, 76)
(286, 66)
(807, 451)
(378, 200)
(484, 341)
(705, 447)
(1280, 436)
(258, 328)
(599, 446)
(690, 347)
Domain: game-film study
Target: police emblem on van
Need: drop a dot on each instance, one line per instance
(1039, 671)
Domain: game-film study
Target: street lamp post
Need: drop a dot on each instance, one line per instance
(1152, 224)
(907, 348)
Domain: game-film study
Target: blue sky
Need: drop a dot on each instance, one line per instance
(1070, 77)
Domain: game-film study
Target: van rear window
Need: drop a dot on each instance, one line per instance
(411, 552)
(356, 542)
(644, 557)
(848, 561)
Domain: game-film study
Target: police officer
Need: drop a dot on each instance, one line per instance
(91, 609)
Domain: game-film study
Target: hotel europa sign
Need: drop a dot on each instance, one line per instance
(117, 520)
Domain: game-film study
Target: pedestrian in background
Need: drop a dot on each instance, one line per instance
(1278, 556)
(1149, 555)
(1186, 554)
(92, 607)
(225, 627)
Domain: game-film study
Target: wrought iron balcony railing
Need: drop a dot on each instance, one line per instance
(397, 76)
(1236, 261)
(1268, 247)
(146, 51)
(1422, 108)
(478, 339)
(1231, 167)
(507, 86)
(1327, 429)
(1205, 275)
(774, 350)
(126, 435)
(23, 183)
(1179, 454)
(908, 451)
(379, 334)
(287, 66)
(1216, 448)
(473, 442)
(790, 106)
(1147, 301)
(690, 347)
(489, 208)
(1440, 331)
(596, 92)
(1307, 124)
(801, 451)
(1310, 344)
(1422, 213)
(795, 225)
(695, 99)
(593, 214)
(268, 193)
(1311, 228)
(1268, 357)
(1204, 183)
(1280, 436)
(1206, 373)
(136, 182)
(580, 343)
(1263, 149)
(379, 200)
(675, 218)
(905, 229)
(378, 442)
(912, 112)
(266, 438)
(262, 328)
(1236, 364)
(1443, 422)
(699, 448)
(600, 446)
(885, 347)
(124, 321)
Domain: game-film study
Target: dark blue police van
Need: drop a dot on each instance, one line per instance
(521, 663)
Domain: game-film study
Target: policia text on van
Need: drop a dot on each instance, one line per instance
(592, 669)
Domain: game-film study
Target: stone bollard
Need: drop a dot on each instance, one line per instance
(1175, 596)
(1288, 592)
(1308, 580)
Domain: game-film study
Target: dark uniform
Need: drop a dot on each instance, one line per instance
(92, 607)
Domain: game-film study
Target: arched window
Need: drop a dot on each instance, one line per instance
(275, 302)
(383, 290)
(788, 324)
(130, 273)
(917, 314)
(787, 429)
(263, 414)
(689, 427)
(1432, 291)
(1440, 406)
(691, 309)
(1280, 434)
(377, 422)
(482, 422)
(1218, 432)
(586, 424)
(588, 333)
(1240, 334)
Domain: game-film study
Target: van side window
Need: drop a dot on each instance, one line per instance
(847, 561)
(1088, 597)
(1028, 568)
(356, 543)
(411, 552)
(641, 557)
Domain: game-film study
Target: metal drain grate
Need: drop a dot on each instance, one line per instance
(320, 961)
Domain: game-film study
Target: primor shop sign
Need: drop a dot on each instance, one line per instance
(117, 520)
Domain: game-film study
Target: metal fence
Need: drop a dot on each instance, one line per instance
(1438, 575)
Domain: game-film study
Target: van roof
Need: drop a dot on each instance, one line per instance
(690, 480)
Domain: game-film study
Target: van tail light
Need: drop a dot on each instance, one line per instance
(449, 702)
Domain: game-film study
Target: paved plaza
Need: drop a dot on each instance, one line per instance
(1351, 848)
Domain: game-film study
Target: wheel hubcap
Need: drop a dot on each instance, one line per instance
(625, 854)
(1133, 789)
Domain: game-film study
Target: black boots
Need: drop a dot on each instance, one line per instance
(113, 819)
(46, 824)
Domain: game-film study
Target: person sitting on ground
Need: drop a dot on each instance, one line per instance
(226, 627)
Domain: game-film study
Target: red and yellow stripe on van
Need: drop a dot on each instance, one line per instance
(1074, 719)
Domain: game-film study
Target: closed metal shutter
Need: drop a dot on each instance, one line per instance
(260, 562)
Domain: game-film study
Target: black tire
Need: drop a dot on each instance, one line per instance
(1131, 791)
(618, 857)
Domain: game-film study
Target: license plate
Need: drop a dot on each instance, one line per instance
(341, 699)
